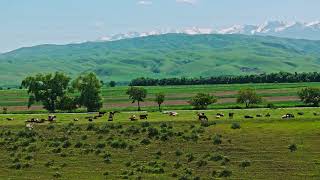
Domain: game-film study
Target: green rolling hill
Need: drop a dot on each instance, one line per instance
(170, 55)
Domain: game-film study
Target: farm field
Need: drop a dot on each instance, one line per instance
(163, 147)
(283, 95)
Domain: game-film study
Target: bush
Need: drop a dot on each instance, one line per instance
(292, 147)
(235, 125)
(217, 139)
(100, 145)
(190, 157)
(145, 141)
(57, 175)
(118, 144)
(78, 145)
(145, 124)
(225, 173)
(217, 157)
(50, 127)
(152, 132)
(66, 144)
(245, 163)
(90, 127)
(201, 163)
(179, 152)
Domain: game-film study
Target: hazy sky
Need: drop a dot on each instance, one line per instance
(32, 22)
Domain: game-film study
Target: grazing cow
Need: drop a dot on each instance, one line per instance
(143, 116)
(259, 115)
(90, 119)
(268, 115)
(52, 118)
(316, 114)
(133, 118)
(101, 114)
(75, 119)
(231, 115)
(248, 117)
(301, 113)
(111, 115)
(288, 116)
(173, 113)
(219, 114)
(29, 126)
(202, 116)
(10, 119)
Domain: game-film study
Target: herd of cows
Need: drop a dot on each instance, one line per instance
(202, 117)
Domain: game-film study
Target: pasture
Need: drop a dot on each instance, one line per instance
(163, 147)
(280, 94)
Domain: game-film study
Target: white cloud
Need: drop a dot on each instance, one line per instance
(191, 2)
(145, 2)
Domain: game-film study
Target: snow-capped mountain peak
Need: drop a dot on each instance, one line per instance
(298, 30)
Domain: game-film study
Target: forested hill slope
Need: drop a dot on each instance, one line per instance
(170, 55)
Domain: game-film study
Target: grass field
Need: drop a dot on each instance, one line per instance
(283, 95)
(164, 148)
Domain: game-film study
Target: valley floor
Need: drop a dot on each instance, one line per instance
(163, 147)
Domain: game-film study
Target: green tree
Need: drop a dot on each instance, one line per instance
(248, 97)
(46, 88)
(137, 94)
(112, 84)
(310, 96)
(159, 99)
(202, 101)
(67, 103)
(89, 87)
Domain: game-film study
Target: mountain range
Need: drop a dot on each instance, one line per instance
(295, 30)
(162, 56)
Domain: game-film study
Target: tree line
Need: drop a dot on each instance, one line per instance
(58, 92)
(281, 77)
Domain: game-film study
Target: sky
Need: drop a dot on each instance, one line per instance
(31, 22)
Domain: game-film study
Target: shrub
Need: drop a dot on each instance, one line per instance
(152, 132)
(100, 145)
(50, 127)
(145, 141)
(179, 152)
(16, 166)
(202, 163)
(217, 157)
(145, 124)
(217, 139)
(118, 144)
(66, 144)
(90, 127)
(292, 147)
(225, 173)
(84, 137)
(78, 145)
(245, 163)
(235, 125)
(190, 157)
(177, 165)
(57, 175)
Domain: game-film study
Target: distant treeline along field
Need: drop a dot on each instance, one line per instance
(281, 77)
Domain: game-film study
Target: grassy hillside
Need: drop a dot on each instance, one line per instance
(171, 55)
(162, 148)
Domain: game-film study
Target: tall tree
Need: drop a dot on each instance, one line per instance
(310, 96)
(46, 88)
(159, 99)
(248, 97)
(137, 94)
(112, 84)
(89, 87)
(202, 101)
